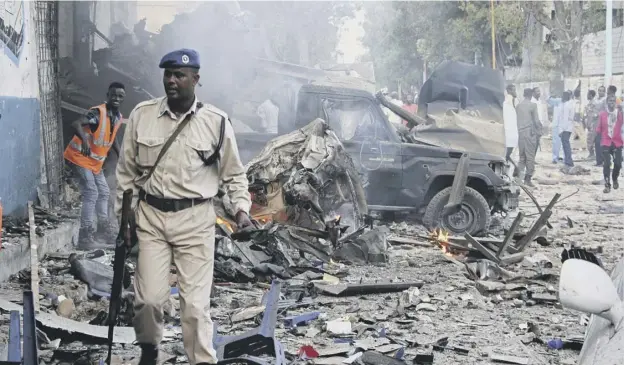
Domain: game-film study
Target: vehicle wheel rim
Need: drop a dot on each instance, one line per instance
(462, 221)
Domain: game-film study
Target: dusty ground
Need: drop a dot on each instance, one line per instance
(481, 322)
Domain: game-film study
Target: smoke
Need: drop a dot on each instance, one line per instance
(242, 49)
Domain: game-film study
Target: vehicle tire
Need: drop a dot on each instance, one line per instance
(474, 216)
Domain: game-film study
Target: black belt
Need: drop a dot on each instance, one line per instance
(169, 205)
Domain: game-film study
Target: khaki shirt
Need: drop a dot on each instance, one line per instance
(180, 173)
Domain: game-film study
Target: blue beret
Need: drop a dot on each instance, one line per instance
(180, 58)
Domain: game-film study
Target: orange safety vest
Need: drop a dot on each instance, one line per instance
(100, 141)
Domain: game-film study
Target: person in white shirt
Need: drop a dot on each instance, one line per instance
(510, 120)
(268, 112)
(542, 108)
(565, 125)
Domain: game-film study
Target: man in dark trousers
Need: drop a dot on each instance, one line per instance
(610, 131)
(529, 132)
(87, 151)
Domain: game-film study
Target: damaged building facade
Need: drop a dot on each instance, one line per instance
(35, 37)
(30, 147)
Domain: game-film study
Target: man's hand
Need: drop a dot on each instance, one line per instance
(243, 221)
(86, 149)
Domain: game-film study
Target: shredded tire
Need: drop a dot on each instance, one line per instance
(474, 203)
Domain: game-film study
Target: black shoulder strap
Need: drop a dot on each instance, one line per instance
(172, 138)
(217, 153)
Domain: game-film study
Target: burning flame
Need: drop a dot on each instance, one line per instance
(441, 238)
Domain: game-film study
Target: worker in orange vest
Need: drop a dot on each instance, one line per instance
(94, 137)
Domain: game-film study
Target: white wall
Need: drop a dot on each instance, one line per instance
(18, 68)
(594, 52)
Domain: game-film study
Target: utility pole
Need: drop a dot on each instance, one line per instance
(494, 34)
(609, 44)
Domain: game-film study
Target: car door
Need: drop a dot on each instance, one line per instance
(357, 123)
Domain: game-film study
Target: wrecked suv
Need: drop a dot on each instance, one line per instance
(459, 139)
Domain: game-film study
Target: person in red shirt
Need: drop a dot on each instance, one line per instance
(409, 106)
(609, 129)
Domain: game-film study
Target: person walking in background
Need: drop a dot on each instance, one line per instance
(610, 131)
(542, 108)
(602, 97)
(566, 126)
(409, 106)
(268, 112)
(557, 106)
(579, 129)
(529, 132)
(510, 121)
(94, 136)
(611, 90)
(591, 121)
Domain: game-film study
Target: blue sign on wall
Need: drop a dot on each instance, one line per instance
(12, 28)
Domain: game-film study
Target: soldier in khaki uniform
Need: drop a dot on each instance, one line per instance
(175, 218)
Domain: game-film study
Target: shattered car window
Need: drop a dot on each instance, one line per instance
(353, 120)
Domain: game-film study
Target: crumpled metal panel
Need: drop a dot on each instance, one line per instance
(307, 146)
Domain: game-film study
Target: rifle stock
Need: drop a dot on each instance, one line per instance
(122, 246)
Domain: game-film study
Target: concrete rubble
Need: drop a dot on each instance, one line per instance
(386, 292)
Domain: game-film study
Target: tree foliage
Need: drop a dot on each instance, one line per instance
(403, 36)
(567, 32)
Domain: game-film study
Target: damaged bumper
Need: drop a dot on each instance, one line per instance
(507, 197)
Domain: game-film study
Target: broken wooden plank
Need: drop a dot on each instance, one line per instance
(247, 313)
(506, 359)
(510, 234)
(512, 259)
(489, 240)
(487, 253)
(408, 241)
(360, 289)
(539, 223)
(34, 257)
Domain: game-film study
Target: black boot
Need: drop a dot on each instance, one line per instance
(105, 232)
(527, 181)
(87, 241)
(149, 354)
(607, 188)
(615, 184)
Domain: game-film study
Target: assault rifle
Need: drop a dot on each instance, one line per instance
(122, 246)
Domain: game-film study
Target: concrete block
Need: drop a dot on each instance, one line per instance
(16, 258)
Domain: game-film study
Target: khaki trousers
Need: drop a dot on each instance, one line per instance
(187, 238)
